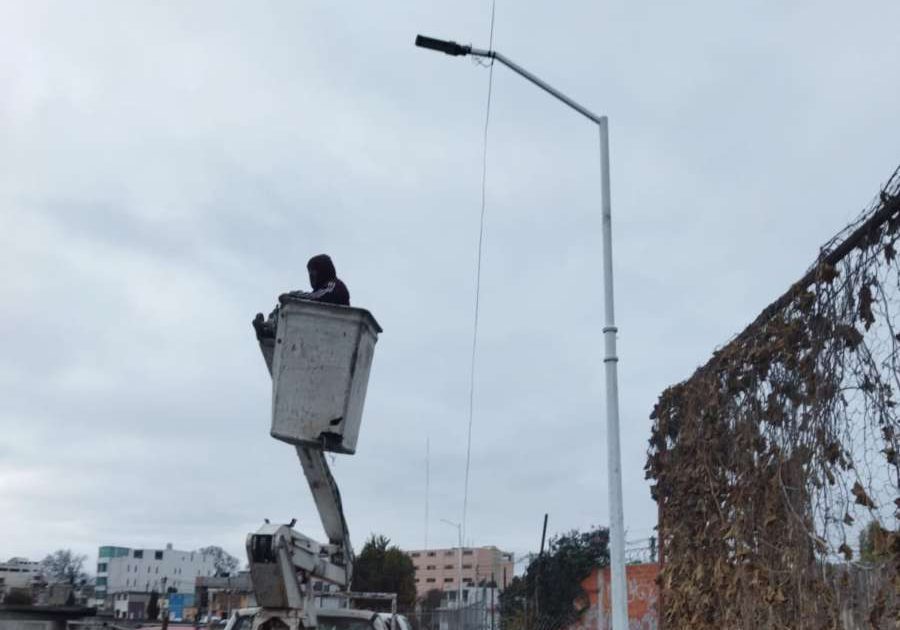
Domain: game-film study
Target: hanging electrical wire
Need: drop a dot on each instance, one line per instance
(487, 120)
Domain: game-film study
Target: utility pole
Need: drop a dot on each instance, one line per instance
(540, 572)
(459, 561)
(493, 590)
(209, 619)
(619, 599)
(427, 485)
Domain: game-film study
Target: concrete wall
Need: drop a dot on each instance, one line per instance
(32, 624)
(40, 617)
(643, 599)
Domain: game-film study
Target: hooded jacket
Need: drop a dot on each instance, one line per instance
(327, 287)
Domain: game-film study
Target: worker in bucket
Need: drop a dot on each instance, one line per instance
(326, 287)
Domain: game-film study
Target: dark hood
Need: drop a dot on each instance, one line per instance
(325, 271)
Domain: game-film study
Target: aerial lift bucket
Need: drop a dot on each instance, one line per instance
(320, 371)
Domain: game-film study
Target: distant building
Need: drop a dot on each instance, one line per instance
(19, 573)
(438, 568)
(126, 570)
(225, 594)
(130, 605)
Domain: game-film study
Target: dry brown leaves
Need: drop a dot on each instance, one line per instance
(752, 461)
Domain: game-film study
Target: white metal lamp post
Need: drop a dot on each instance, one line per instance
(459, 555)
(619, 598)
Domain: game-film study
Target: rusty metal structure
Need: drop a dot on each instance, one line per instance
(772, 459)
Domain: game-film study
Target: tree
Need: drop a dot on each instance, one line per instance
(432, 599)
(153, 606)
(223, 562)
(63, 565)
(550, 592)
(875, 543)
(384, 568)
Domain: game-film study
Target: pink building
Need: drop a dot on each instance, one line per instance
(437, 568)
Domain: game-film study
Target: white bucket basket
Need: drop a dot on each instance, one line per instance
(320, 372)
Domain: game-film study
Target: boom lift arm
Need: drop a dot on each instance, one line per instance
(283, 562)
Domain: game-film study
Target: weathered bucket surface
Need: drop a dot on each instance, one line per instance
(320, 372)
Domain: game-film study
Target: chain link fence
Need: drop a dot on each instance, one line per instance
(776, 466)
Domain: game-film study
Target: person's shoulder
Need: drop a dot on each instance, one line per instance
(342, 292)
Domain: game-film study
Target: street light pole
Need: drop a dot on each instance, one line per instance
(619, 599)
(459, 561)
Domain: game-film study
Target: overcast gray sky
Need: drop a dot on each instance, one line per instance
(167, 168)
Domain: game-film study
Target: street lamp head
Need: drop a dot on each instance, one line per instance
(444, 46)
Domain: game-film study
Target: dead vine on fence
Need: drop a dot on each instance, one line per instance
(772, 457)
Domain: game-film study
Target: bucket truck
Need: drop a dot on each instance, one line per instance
(319, 361)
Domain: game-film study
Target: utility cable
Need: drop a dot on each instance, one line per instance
(487, 120)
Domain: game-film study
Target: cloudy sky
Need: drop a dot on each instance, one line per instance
(167, 168)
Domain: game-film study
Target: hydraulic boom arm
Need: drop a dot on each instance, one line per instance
(328, 501)
(283, 561)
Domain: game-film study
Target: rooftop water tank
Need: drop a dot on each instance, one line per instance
(320, 372)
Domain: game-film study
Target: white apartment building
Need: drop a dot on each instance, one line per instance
(122, 569)
(18, 573)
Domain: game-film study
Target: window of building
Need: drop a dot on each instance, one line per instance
(448, 553)
(465, 596)
(448, 566)
(157, 569)
(157, 555)
(415, 554)
(101, 567)
(417, 580)
(448, 579)
(138, 553)
(430, 554)
(430, 567)
(467, 566)
(468, 552)
(452, 596)
(101, 581)
(430, 580)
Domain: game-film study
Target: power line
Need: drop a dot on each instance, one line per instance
(487, 120)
